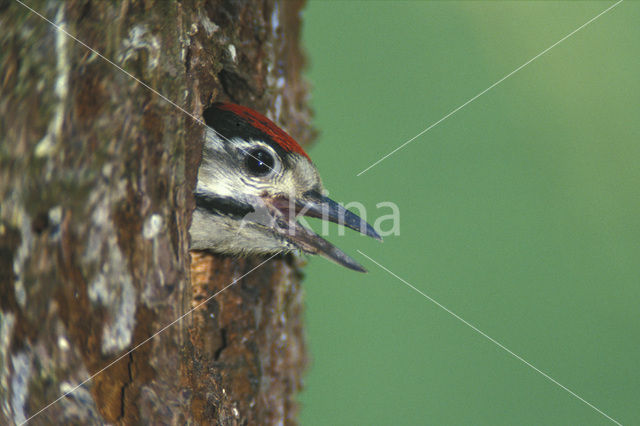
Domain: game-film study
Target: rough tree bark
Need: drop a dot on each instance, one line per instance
(96, 175)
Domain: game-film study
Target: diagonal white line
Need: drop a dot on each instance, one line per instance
(180, 318)
(77, 40)
(142, 83)
(374, 164)
(490, 87)
(494, 341)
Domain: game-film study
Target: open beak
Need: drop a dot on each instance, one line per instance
(314, 204)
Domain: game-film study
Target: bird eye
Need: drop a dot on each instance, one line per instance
(259, 162)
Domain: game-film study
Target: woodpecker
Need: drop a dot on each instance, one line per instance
(254, 180)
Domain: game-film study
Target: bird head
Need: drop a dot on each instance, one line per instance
(253, 182)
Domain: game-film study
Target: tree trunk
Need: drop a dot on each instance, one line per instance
(96, 180)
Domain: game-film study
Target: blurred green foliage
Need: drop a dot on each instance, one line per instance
(520, 213)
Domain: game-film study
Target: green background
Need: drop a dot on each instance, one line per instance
(520, 213)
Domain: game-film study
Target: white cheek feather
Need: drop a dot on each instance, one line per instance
(213, 140)
(217, 174)
(304, 175)
(223, 174)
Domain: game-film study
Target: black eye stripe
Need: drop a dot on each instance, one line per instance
(259, 162)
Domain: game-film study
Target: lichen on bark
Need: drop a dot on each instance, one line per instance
(96, 174)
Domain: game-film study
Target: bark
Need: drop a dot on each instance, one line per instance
(96, 180)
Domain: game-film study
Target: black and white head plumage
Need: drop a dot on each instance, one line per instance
(254, 179)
